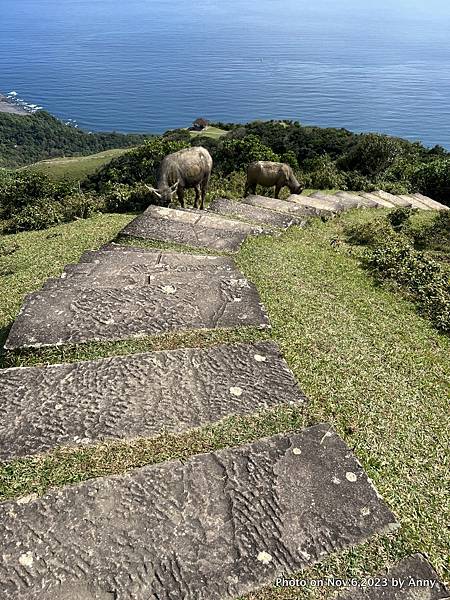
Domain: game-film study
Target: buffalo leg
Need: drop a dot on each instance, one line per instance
(180, 194)
(204, 189)
(277, 190)
(197, 196)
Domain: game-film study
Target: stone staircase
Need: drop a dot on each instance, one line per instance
(220, 524)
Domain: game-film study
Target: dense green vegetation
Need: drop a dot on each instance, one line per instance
(371, 366)
(31, 138)
(392, 255)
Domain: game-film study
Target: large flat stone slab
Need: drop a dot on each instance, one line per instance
(395, 200)
(152, 258)
(191, 228)
(380, 202)
(213, 528)
(281, 206)
(415, 203)
(331, 200)
(237, 208)
(141, 395)
(71, 316)
(323, 207)
(413, 578)
(358, 200)
(429, 202)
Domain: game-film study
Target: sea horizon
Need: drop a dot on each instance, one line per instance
(148, 68)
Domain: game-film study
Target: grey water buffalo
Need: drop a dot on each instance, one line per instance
(267, 174)
(187, 168)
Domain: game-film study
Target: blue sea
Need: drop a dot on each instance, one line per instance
(151, 65)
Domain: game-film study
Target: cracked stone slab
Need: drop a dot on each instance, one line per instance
(72, 316)
(282, 206)
(417, 577)
(141, 395)
(359, 201)
(238, 208)
(323, 207)
(380, 202)
(414, 202)
(214, 527)
(155, 258)
(191, 228)
(89, 275)
(395, 200)
(429, 202)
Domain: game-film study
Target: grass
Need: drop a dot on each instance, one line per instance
(211, 132)
(75, 168)
(371, 367)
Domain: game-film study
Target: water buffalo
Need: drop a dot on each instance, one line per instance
(187, 168)
(268, 174)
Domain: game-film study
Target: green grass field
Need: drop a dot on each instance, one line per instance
(75, 168)
(371, 367)
(211, 132)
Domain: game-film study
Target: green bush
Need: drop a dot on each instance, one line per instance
(370, 233)
(237, 154)
(426, 281)
(400, 217)
(434, 235)
(433, 179)
(322, 174)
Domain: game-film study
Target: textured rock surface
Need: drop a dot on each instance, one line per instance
(191, 228)
(343, 203)
(415, 203)
(152, 258)
(396, 200)
(380, 202)
(358, 200)
(236, 208)
(215, 527)
(429, 202)
(413, 572)
(138, 396)
(322, 206)
(280, 206)
(81, 315)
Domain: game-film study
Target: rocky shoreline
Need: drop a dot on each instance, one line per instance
(6, 106)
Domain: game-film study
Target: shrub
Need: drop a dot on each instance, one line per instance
(434, 235)
(370, 233)
(323, 174)
(400, 217)
(237, 154)
(433, 179)
(422, 277)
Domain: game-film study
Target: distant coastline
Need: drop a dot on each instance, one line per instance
(13, 105)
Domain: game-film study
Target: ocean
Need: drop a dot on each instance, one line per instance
(151, 65)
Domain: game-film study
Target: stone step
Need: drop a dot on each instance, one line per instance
(381, 202)
(395, 200)
(429, 202)
(141, 395)
(281, 206)
(238, 208)
(339, 205)
(323, 207)
(360, 201)
(415, 203)
(152, 258)
(108, 280)
(74, 316)
(215, 527)
(193, 228)
(415, 575)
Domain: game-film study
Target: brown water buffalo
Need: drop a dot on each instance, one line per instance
(267, 174)
(187, 168)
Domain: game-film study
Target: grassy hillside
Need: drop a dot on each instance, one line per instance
(35, 137)
(75, 168)
(370, 365)
(211, 132)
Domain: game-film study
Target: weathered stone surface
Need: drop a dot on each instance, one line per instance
(138, 396)
(339, 204)
(96, 281)
(236, 208)
(280, 206)
(58, 317)
(395, 200)
(380, 202)
(415, 203)
(212, 528)
(191, 228)
(420, 582)
(155, 258)
(359, 200)
(323, 207)
(429, 202)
